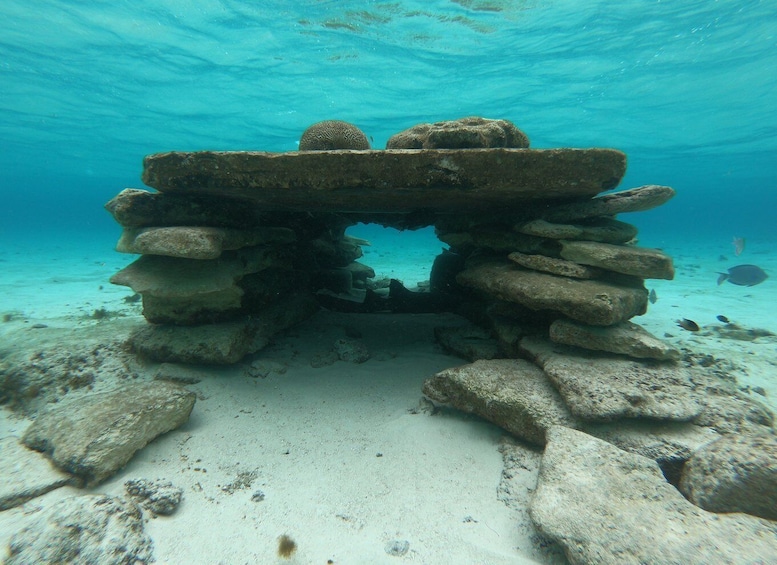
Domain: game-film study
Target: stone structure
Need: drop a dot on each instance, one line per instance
(235, 237)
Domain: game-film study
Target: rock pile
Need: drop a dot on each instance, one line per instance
(235, 244)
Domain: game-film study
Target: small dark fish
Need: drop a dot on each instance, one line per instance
(689, 325)
(652, 296)
(743, 275)
(722, 318)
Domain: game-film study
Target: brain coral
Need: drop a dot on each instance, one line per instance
(333, 134)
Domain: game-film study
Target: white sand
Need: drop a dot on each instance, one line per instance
(310, 439)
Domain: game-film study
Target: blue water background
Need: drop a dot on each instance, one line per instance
(688, 89)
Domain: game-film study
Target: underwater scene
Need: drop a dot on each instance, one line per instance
(434, 282)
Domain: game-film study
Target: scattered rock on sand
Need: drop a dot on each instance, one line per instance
(26, 474)
(159, 497)
(609, 507)
(468, 342)
(97, 435)
(737, 473)
(351, 350)
(93, 528)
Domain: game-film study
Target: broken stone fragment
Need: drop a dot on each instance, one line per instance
(96, 435)
(636, 261)
(605, 388)
(158, 497)
(594, 302)
(554, 266)
(472, 132)
(609, 507)
(632, 200)
(26, 474)
(626, 338)
(737, 473)
(92, 528)
(195, 242)
(605, 230)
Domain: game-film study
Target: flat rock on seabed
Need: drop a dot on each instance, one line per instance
(605, 506)
(90, 529)
(95, 436)
(26, 474)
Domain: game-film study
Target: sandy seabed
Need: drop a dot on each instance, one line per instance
(345, 459)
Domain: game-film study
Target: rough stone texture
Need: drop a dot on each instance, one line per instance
(512, 393)
(472, 132)
(184, 291)
(520, 398)
(670, 444)
(158, 497)
(31, 379)
(626, 338)
(554, 266)
(594, 302)
(737, 473)
(351, 350)
(225, 343)
(600, 387)
(468, 342)
(93, 528)
(135, 208)
(194, 242)
(640, 262)
(609, 507)
(390, 180)
(97, 435)
(26, 474)
(604, 230)
(632, 200)
(333, 134)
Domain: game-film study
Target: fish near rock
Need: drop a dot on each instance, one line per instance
(743, 275)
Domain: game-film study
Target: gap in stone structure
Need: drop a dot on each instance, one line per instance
(405, 255)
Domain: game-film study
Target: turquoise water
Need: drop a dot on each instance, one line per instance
(686, 88)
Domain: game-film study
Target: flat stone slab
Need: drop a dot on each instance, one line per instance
(593, 302)
(626, 338)
(605, 230)
(632, 200)
(196, 242)
(600, 387)
(95, 436)
(26, 474)
(176, 278)
(512, 393)
(636, 261)
(555, 266)
(393, 180)
(609, 507)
